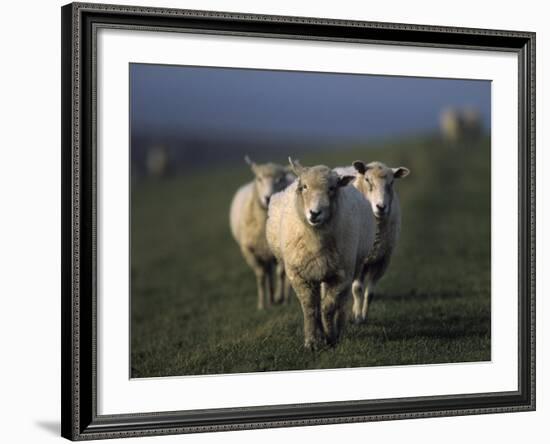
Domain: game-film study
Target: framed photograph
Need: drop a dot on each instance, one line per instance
(280, 221)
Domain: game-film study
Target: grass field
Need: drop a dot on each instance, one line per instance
(193, 299)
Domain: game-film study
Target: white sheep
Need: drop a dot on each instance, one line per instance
(450, 123)
(318, 229)
(247, 218)
(459, 125)
(375, 181)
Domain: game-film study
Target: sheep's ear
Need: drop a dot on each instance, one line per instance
(288, 169)
(400, 172)
(345, 180)
(296, 167)
(251, 163)
(360, 166)
(289, 174)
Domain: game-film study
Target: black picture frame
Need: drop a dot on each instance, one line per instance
(78, 333)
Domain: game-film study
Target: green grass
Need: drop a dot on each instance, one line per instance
(193, 299)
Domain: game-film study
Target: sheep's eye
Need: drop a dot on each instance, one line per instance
(304, 187)
(331, 188)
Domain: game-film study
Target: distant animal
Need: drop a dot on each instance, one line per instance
(157, 161)
(376, 182)
(247, 219)
(471, 123)
(321, 230)
(450, 125)
(459, 125)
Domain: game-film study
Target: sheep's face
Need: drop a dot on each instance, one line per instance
(269, 179)
(376, 182)
(316, 191)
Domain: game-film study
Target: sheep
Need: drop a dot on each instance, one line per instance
(458, 125)
(471, 123)
(318, 228)
(375, 181)
(450, 123)
(247, 219)
(157, 161)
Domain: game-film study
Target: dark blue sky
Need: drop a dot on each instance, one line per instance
(194, 100)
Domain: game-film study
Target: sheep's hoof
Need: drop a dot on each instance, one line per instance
(359, 320)
(313, 344)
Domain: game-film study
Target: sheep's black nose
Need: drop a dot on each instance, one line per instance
(381, 207)
(267, 199)
(314, 214)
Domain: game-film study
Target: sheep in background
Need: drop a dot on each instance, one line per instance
(375, 181)
(450, 125)
(471, 123)
(157, 161)
(458, 125)
(318, 228)
(248, 216)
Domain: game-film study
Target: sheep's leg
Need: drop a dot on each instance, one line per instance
(287, 291)
(269, 284)
(261, 272)
(323, 290)
(374, 273)
(281, 284)
(340, 318)
(368, 296)
(261, 284)
(331, 308)
(309, 297)
(357, 292)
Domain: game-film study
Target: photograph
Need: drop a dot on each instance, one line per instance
(281, 221)
(296, 220)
